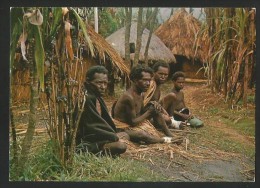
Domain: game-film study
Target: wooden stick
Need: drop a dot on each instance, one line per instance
(151, 161)
(169, 165)
(171, 154)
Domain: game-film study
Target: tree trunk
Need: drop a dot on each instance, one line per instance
(27, 142)
(15, 148)
(139, 36)
(127, 35)
(155, 12)
(111, 83)
(172, 11)
(14, 140)
(127, 44)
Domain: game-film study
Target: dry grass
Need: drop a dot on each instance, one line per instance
(105, 50)
(180, 33)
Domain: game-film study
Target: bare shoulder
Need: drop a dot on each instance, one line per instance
(126, 98)
(170, 95)
(181, 93)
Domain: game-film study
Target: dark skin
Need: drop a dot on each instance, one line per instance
(99, 85)
(160, 77)
(129, 109)
(174, 101)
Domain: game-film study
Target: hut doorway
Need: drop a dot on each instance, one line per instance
(192, 68)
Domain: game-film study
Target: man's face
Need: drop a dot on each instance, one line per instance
(144, 83)
(179, 83)
(99, 83)
(161, 75)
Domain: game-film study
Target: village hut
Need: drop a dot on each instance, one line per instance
(104, 54)
(181, 34)
(157, 50)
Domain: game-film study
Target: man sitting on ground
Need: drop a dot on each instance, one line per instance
(129, 109)
(174, 103)
(161, 71)
(97, 132)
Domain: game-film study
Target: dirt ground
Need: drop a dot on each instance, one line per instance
(197, 161)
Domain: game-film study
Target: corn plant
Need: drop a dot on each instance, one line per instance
(46, 42)
(231, 50)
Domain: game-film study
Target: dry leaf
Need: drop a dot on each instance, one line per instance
(68, 40)
(22, 40)
(35, 17)
(65, 10)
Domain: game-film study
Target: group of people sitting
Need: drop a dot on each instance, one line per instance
(141, 108)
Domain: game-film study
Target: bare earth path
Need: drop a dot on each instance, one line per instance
(199, 159)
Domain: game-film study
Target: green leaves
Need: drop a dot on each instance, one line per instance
(84, 30)
(57, 16)
(16, 29)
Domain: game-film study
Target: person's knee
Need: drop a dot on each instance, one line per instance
(121, 147)
(123, 135)
(142, 135)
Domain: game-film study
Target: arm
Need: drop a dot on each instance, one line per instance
(160, 109)
(182, 102)
(168, 103)
(130, 112)
(184, 116)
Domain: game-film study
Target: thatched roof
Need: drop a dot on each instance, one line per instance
(105, 51)
(180, 33)
(157, 49)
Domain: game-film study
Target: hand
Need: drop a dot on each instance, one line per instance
(186, 116)
(151, 110)
(158, 108)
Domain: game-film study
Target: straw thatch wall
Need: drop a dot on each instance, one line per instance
(20, 86)
(20, 81)
(104, 54)
(157, 49)
(181, 34)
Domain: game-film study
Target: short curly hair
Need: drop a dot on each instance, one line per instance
(160, 64)
(178, 74)
(95, 69)
(136, 72)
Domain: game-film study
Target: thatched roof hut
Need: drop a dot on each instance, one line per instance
(180, 34)
(104, 54)
(157, 49)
